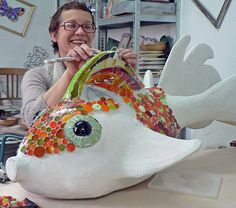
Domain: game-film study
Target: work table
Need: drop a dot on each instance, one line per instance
(218, 161)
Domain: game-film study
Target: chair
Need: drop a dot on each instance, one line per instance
(16, 139)
(13, 77)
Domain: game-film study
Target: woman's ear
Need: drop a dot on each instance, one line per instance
(53, 36)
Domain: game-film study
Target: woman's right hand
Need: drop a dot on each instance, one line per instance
(81, 54)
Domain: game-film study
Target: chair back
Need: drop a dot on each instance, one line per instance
(13, 77)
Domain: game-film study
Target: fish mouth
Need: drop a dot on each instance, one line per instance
(105, 70)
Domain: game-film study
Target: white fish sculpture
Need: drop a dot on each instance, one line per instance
(108, 133)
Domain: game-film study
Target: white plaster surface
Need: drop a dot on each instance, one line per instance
(126, 154)
(223, 43)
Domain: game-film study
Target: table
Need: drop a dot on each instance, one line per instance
(219, 161)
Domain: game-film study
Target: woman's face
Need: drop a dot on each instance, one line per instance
(66, 39)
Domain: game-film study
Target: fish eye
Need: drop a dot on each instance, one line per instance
(82, 128)
(83, 131)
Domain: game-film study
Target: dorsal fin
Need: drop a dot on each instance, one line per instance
(107, 71)
(185, 75)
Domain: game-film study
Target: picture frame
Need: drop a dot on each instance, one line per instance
(216, 22)
(124, 41)
(20, 25)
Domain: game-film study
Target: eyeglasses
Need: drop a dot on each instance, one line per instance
(73, 26)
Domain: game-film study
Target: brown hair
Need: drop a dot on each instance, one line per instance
(54, 23)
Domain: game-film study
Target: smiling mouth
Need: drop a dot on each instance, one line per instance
(78, 42)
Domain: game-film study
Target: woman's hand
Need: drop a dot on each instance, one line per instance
(81, 54)
(129, 56)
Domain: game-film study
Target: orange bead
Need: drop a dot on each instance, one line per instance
(47, 139)
(51, 143)
(54, 131)
(35, 137)
(116, 106)
(60, 141)
(65, 141)
(87, 108)
(77, 112)
(50, 150)
(126, 99)
(43, 135)
(38, 131)
(30, 152)
(53, 124)
(70, 147)
(109, 100)
(46, 144)
(39, 152)
(105, 108)
(100, 102)
(60, 134)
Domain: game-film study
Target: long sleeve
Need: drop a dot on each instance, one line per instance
(34, 84)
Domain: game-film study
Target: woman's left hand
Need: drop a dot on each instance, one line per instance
(128, 55)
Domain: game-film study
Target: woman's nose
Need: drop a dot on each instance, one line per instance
(79, 30)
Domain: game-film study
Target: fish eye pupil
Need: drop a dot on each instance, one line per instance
(82, 128)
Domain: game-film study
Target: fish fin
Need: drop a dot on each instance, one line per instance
(106, 71)
(190, 75)
(148, 79)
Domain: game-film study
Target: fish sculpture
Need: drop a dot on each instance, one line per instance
(108, 133)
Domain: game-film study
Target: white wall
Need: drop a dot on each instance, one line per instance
(223, 43)
(222, 40)
(14, 49)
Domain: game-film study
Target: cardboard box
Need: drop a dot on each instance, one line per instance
(155, 8)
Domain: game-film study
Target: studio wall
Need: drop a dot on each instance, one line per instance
(223, 42)
(15, 50)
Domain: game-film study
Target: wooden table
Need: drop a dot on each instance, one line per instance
(222, 162)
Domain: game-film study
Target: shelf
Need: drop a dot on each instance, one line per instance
(134, 17)
(116, 21)
(158, 19)
(128, 19)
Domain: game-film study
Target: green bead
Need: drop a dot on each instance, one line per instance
(40, 142)
(23, 149)
(62, 147)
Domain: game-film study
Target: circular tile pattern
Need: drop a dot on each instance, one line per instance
(87, 139)
(50, 135)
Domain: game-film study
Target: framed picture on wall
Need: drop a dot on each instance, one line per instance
(15, 16)
(216, 22)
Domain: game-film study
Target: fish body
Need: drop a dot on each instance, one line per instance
(107, 134)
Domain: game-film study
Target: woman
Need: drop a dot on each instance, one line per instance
(72, 31)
